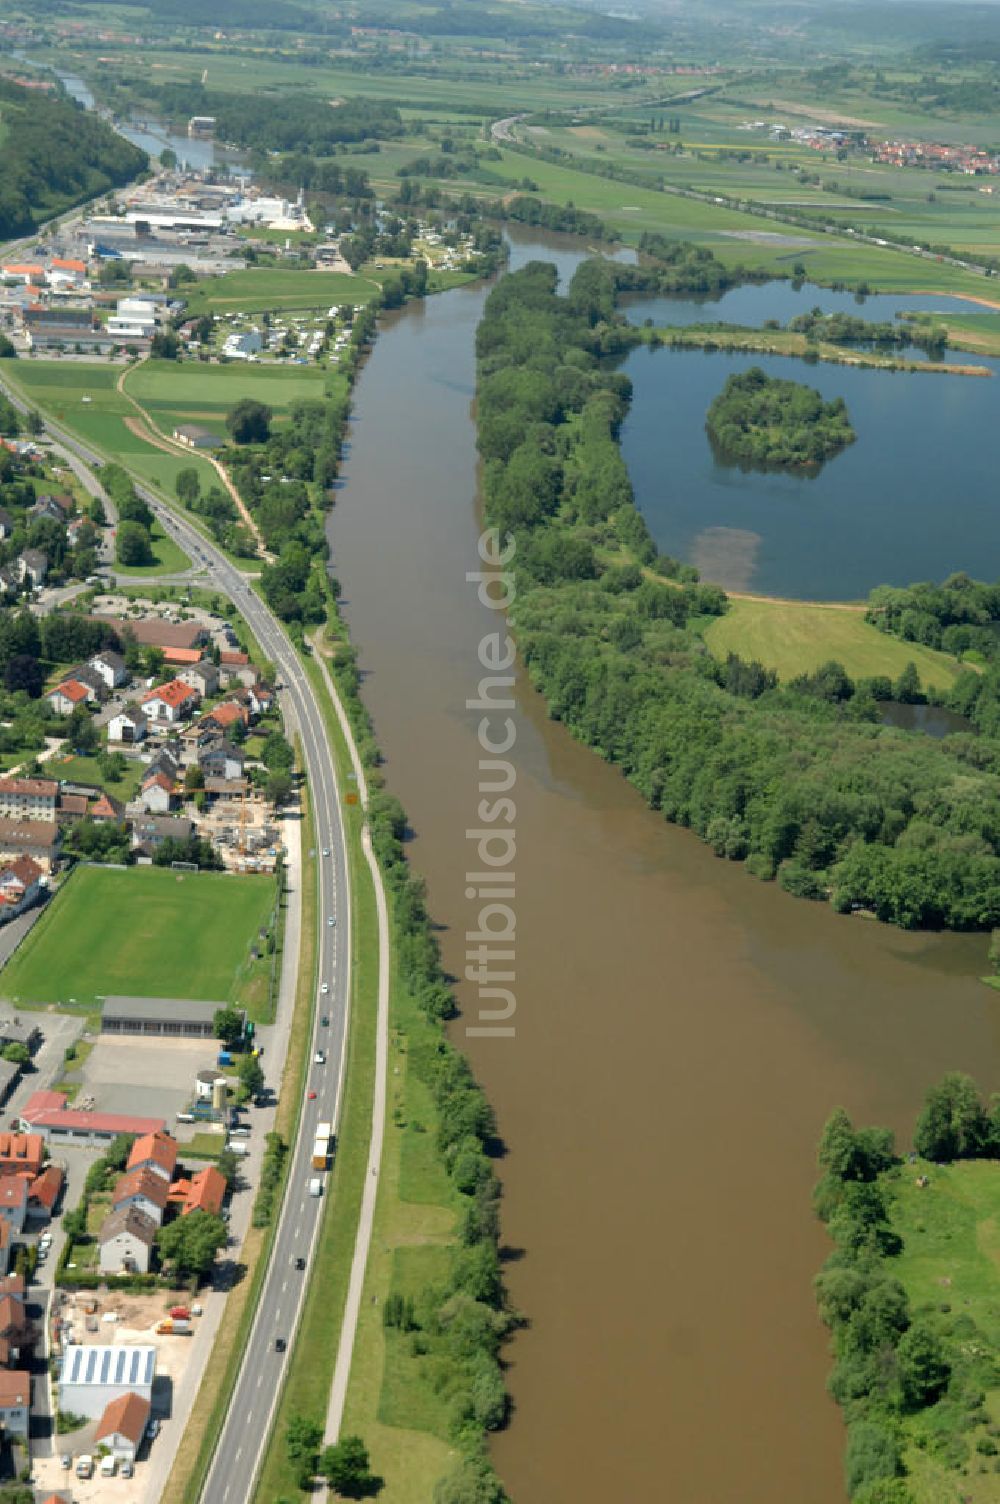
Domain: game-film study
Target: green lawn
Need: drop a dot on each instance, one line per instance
(146, 931)
(174, 392)
(86, 770)
(795, 637)
(951, 1261)
(260, 288)
(58, 387)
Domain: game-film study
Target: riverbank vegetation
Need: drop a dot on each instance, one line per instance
(911, 1294)
(769, 423)
(797, 779)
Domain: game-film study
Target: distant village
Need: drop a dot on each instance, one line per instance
(974, 161)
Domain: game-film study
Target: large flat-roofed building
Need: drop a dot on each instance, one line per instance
(92, 1376)
(175, 1016)
(46, 1113)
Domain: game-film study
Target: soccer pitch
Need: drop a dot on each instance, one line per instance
(147, 932)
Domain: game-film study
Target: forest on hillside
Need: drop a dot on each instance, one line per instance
(55, 154)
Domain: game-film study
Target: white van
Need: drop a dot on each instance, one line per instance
(109, 1465)
(315, 1186)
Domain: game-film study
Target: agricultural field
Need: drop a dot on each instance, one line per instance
(173, 392)
(58, 387)
(262, 289)
(796, 637)
(161, 934)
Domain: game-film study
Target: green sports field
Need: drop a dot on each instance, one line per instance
(148, 932)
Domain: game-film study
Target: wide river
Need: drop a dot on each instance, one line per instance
(682, 1030)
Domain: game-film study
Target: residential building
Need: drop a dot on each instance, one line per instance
(44, 1191)
(170, 702)
(17, 1333)
(226, 715)
(70, 270)
(202, 676)
(107, 809)
(128, 726)
(71, 807)
(236, 668)
(37, 838)
(179, 1017)
(141, 1188)
(92, 1376)
(224, 760)
(156, 1152)
(150, 831)
(157, 794)
(206, 1191)
(21, 1152)
(32, 567)
(21, 885)
(15, 1402)
(53, 508)
(14, 1202)
(68, 695)
(110, 667)
(125, 1241)
(123, 1425)
(28, 798)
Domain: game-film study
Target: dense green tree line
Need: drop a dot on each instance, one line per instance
(55, 154)
(282, 122)
(891, 1361)
(847, 329)
(772, 423)
(800, 780)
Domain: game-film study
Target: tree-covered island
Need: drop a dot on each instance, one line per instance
(766, 422)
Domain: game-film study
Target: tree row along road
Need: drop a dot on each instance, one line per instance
(244, 1436)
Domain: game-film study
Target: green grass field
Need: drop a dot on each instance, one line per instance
(147, 931)
(174, 392)
(58, 387)
(795, 637)
(951, 1254)
(257, 289)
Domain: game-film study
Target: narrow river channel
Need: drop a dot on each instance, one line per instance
(682, 1030)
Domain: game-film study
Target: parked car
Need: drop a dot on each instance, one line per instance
(153, 1427)
(280, 1344)
(127, 1468)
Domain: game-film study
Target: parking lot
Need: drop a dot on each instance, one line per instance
(149, 1077)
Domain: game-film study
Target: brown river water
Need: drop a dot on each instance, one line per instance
(682, 1031)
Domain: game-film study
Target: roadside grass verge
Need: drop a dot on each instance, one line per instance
(389, 1400)
(310, 1370)
(796, 637)
(194, 1454)
(143, 912)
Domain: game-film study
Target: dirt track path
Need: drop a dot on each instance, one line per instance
(144, 428)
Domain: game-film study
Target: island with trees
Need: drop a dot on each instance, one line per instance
(911, 1295)
(765, 422)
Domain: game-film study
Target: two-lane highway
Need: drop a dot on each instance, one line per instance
(245, 1433)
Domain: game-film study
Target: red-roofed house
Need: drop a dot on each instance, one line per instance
(17, 1334)
(15, 1401)
(108, 809)
(122, 1425)
(206, 1192)
(20, 884)
(156, 1152)
(69, 270)
(143, 1189)
(68, 695)
(21, 1151)
(157, 793)
(226, 715)
(43, 1191)
(180, 656)
(169, 702)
